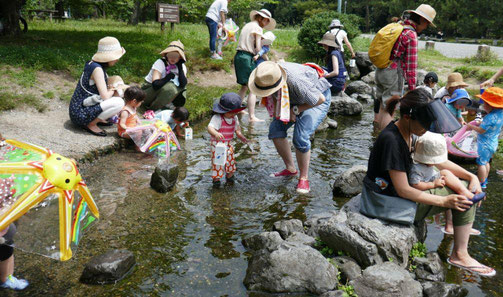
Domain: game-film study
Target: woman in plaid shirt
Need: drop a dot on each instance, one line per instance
(390, 80)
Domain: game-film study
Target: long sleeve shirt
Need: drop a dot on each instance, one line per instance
(405, 53)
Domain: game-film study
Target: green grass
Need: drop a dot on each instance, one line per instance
(200, 101)
(49, 95)
(11, 101)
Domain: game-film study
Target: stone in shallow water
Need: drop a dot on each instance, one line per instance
(108, 268)
(430, 268)
(287, 227)
(350, 182)
(439, 289)
(164, 177)
(348, 267)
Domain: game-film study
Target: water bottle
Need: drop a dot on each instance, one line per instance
(220, 154)
(188, 133)
(352, 63)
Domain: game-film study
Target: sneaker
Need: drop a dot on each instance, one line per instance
(303, 186)
(14, 283)
(483, 184)
(284, 172)
(216, 56)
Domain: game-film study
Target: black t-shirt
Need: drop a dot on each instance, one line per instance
(390, 152)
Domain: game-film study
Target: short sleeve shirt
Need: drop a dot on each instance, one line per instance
(455, 112)
(216, 121)
(159, 66)
(339, 35)
(390, 152)
(304, 85)
(440, 94)
(422, 173)
(246, 41)
(216, 7)
(492, 124)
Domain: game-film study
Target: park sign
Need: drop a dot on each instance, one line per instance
(168, 13)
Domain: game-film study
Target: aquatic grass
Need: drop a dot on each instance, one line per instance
(11, 101)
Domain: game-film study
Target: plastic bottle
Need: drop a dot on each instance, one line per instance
(220, 154)
(188, 133)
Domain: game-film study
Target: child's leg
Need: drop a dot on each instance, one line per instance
(230, 164)
(217, 171)
(453, 182)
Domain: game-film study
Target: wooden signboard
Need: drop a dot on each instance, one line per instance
(168, 13)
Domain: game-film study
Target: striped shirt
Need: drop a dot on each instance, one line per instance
(304, 85)
(405, 51)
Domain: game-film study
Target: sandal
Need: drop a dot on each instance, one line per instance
(101, 133)
(472, 268)
(474, 232)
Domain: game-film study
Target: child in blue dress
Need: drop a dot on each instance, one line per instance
(488, 131)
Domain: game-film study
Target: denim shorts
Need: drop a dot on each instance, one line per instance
(485, 154)
(305, 125)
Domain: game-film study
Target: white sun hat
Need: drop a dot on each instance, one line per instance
(431, 148)
(266, 14)
(109, 49)
(268, 38)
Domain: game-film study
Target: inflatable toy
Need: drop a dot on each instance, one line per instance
(463, 143)
(30, 174)
(154, 137)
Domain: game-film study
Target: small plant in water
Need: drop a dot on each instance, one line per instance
(418, 251)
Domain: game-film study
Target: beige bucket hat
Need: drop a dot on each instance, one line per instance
(109, 49)
(455, 79)
(329, 39)
(266, 79)
(425, 11)
(266, 14)
(115, 82)
(175, 46)
(430, 148)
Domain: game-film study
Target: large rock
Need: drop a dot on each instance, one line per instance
(265, 240)
(359, 87)
(369, 78)
(363, 98)
(429, 268)
(350, 182)
(348, 268)
(344, 105)
(364, 64)
(439, 289)
(420, 74)
(354, 73)
(368, 241)
(337, 293)
(108, 268)
(164, 177)
(302, 239)
(287, 227)
(292, 267)
(322, 126)
(386, 280)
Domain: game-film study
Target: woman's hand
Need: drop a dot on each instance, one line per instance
(457, 202)
(487, 84)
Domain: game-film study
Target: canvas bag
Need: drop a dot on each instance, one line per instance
(389, 208)
(382, 44)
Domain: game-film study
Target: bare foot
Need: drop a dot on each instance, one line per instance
(449, 230)
(255, 119)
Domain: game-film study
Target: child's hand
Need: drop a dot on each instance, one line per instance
(219, 136)
(242, 138)
(439, 182)
(255, 58)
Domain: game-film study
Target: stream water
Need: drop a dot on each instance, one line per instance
(188, 242)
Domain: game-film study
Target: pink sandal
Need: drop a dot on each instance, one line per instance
(284, 172)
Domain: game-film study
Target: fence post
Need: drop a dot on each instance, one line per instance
(430, 45)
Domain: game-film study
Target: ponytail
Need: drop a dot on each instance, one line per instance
(392, 103)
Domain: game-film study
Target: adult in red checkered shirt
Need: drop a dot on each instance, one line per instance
(390, 80)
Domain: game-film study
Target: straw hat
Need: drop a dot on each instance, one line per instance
(430, 148)
(455, 79)
(492, 96)
(266, 79)
(109, 49)
(268, 38)
(460, 96)
(115, 82)
(266, 14)
(329, 40)
(425, 11)
(335, 24)
(175, 46)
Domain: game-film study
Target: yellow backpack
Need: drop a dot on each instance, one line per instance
(382, 44)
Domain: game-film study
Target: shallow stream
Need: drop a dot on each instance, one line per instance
(188, 242)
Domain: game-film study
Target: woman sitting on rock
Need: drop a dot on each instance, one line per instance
(93, 102)
(389, 166)
(166, 81)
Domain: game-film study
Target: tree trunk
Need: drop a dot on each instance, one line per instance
(10, 17)
(136, 13)
(367, 18)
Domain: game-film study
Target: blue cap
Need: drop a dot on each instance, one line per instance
(229, 102)
(460, 94)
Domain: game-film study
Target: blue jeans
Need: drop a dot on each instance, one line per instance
(212, 27)
(305, 125)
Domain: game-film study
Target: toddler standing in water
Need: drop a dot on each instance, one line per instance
(430, 151)
(224, 123)
(134, 97)
(488, 131)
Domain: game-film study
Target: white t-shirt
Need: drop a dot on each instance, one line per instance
(441, 93)
(216, 121)
(340, 36)
(216, 7)
(430, 90)
(159, 66)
